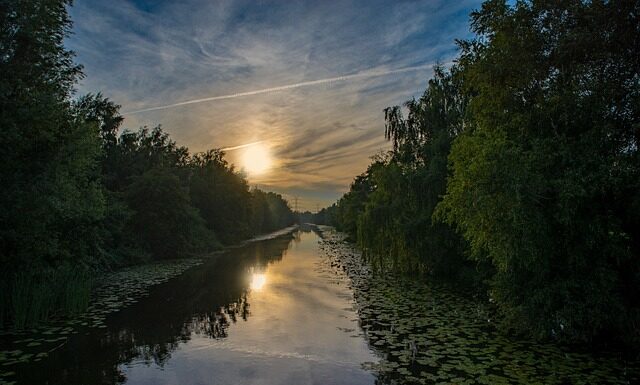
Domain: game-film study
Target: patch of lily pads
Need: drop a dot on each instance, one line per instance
(112, 293)
(428, 334)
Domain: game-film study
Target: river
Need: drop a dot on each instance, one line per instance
(271, 312)
(300, 308)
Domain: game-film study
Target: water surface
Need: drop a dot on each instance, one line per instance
(271, 312)
(282, 311)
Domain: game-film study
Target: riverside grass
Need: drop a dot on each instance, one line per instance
(30, 298)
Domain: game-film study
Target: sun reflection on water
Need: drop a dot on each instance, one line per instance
(258, 281)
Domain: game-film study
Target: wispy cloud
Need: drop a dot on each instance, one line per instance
(269, 71)
(366, 74)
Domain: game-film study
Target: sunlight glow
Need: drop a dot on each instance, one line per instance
(258, 281)
(256, 159)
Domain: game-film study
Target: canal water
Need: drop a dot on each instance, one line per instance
(271, 312)
(301, 308)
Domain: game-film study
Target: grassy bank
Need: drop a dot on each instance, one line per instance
(29, 298)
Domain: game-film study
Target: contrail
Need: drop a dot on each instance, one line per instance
(241, 146)
(366, 74)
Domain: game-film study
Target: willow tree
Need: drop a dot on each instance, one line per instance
(396, 225)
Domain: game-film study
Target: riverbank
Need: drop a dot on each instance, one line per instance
(426, 333)
(112, 293)
(275, 312)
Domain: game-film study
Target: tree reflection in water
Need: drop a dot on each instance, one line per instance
(205, 300)
(216, 323)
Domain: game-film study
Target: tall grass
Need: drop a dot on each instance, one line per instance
(29, 298)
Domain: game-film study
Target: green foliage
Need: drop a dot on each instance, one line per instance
(326, 216)
(352, 204)
(80, 195)
(52, 200)
(221, 195)
(269, 212)
(51, 196)
(36, 296)
(163, 221)
(539, 120)
(545, 179)
(224, 200)
(389, 209)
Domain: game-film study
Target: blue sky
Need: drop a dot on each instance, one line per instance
(146, 54)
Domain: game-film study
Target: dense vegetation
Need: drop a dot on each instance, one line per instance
(519, 168)
(80, 195)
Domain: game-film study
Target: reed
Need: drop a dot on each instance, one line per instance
(29, 298)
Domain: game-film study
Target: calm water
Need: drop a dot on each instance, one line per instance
(272, 312)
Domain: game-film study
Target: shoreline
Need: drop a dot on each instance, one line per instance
(112, 293)
(425, 332)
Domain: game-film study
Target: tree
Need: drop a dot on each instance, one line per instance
(545, 177)
(80, 196)
(51, 193)
(221, 195)
(163, 220)
(51, 199)
(392, 215)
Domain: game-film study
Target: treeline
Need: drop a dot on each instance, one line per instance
(322, 217)
(518, 170)
(80, 195)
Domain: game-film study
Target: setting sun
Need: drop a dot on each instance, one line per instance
(256, 159)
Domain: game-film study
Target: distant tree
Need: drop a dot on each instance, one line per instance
(259, 216)
(269, 212)
(326, 215)
(221, 195)
(351, 205)
(279, 212)
(140, 151)
(163, 220)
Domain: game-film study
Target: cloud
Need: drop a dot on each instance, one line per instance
(365, 74)
(273, 70)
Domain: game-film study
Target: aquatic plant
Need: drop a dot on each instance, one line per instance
(427, 333)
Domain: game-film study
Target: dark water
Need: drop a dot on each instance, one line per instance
(272, 312)
(282, 311)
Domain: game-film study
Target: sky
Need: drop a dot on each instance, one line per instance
(296, 86)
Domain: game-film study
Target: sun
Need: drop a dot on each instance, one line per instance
(256, 159)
